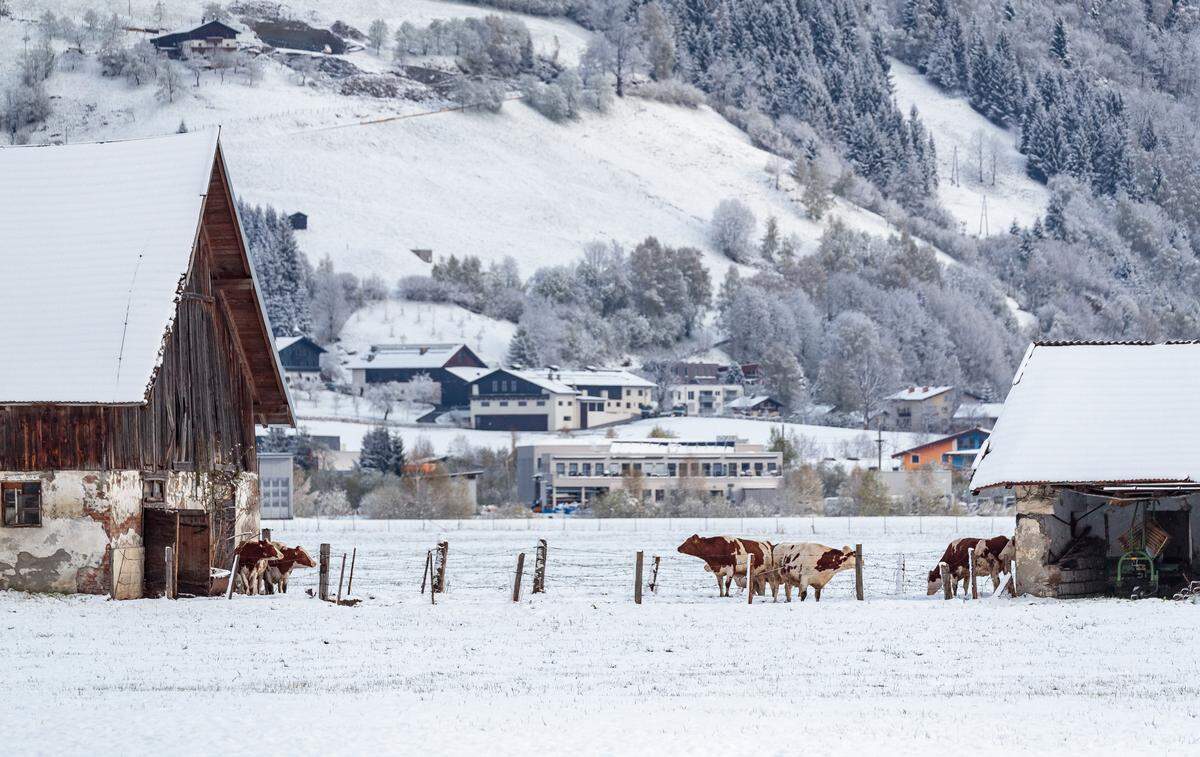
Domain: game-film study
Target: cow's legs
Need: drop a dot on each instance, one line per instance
(816, 593)
(283, 577)
(787, 590)
(720, 585)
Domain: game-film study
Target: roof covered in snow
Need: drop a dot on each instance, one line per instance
(413, 356)
(601, 377)
(749, 403)
(1097, 413)
(918, 393)
(978, 411)
(95, 240)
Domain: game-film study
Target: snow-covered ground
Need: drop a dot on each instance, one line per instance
(954, 124)
(402, 322)
(582, 669)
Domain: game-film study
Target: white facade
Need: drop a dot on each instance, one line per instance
(704, 399)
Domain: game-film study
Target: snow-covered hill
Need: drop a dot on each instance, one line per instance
(956, 126)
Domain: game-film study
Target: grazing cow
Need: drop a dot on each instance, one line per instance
(994, 556)
(804, 565)
(253, 558)
(726, 557)
(278, 570)
(991, 556)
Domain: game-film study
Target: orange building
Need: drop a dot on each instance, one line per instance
(956, 451)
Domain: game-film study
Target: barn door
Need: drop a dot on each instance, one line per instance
(194, 554)
(159, 527)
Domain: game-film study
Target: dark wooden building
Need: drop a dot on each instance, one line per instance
(299, 354)
(298, 221)
(145, 360)
(204, 39)
(451, 366)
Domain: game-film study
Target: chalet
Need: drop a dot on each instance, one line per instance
(920, 408)
(298, 221)
(140, 363)
(758, 406)
(955, 452)
(403, 362)
(201, 41)
(554, 400)
(1097, 443)
(299, 355)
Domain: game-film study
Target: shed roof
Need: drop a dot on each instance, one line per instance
(97, 242)
(943, 440)
(1097, 414)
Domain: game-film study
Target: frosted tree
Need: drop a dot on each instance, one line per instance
(330, 306)
(170, 83)
(1058, 43)
(383, 397)
(213, 12)
(376, 451)
(658, 40)
(784, 377)
(731, 229)
(377, 35)
(859, 367)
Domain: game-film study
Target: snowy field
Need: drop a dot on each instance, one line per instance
(583, 669)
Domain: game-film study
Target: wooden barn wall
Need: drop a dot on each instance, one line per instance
(199, 416)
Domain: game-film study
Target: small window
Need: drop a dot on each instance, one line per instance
(566, 419)
(503, 403)
(522, 403)
(154, 490)
(599, 469)
(560, 468)
(22, 503)
(916, 459)
(541, 403)
(486, 403)
(587, 469)
(573, 469)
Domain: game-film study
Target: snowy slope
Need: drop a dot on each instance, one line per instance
(954, 123)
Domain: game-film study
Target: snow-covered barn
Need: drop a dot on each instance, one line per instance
(1098, 442)
(137, 360)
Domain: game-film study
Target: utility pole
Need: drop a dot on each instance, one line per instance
(879, 445)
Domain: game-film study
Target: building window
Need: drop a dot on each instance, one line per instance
(718, 469)
(772, 468)
(691, 395)
(486, 403)
(560, 468)
(758, 469)
(503, 403)
(22, 503)
(707, 469)
(599, 469)
(522, 403)
(916, 459)
(566, 419)
(587, 469)
(541, 403)
(573, 469)
(154, 490)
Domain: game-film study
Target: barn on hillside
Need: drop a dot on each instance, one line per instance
(137, 361)
(1097, 441)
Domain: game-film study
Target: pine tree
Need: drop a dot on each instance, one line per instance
(399, 457)
(1058, 43)
(769, 246)
(522, 350)
(377, 451)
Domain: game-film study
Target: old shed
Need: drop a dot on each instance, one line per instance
(137, 361)
(1095, 439)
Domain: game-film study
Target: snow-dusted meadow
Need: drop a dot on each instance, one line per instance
(583, 669)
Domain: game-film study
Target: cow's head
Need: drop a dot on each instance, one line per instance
(935, 582)
(691, 545)
(301, 557)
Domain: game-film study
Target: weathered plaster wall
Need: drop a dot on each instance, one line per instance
(83, 514)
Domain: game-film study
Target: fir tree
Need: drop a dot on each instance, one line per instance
(377, 453)
(1058, 43)
(399, 457)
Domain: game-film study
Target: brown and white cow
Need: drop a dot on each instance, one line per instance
(806, 564)
(253, 558)
(277, 572)
(726, 557)
(992, 556)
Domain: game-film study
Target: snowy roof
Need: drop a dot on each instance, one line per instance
(601, 377)
(1097, 413)
(544, 379)
(748, 403)
(972, 410)
(918, 393)
(384, 356)
(283, 342)
(97, 239)
(942, 440)
(468, 373)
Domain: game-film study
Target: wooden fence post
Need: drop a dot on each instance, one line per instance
(323, 573)
(539, 568)
(232, 577)
(858, 572)
(443, 551)
(637, 579)
(427, 573)
(517, 579)
(971, 572)
(654, 575)
(350, 583)
(947, 587)
(749, 578)
(341, 578)
(169, 573)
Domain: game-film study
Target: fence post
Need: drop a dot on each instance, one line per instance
(654, 576)
(266, 534)
(232, 577)
(350, 583)
(971, 572)
(517, 580)
(169, 573)
(947, 588)
(749, 578)
(428, 571)
(637, 579)
(900, 582)
(323, 574)
(443, 550)
(858, 572)
(341, 578)
(539, 568)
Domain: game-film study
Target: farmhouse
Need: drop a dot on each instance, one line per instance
(201, 41)
(300, 356)
(403, 362)
(703, 388)
(757, 406)
(554, 400)
(921, 408)
(1097, 441)
(575, 472)
(956, 451)
(137, 361)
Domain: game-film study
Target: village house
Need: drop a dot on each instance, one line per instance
(955, 452)
(202, 41)
(451, 366)
(138, 360)
(758, 406)
(1097, 442)
(553, 400)
(703, 388)
(977, 414)
(300, 356)
(575, 472)
(923, 409)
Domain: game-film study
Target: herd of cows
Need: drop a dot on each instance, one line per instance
(264, 566)
(758, 564)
